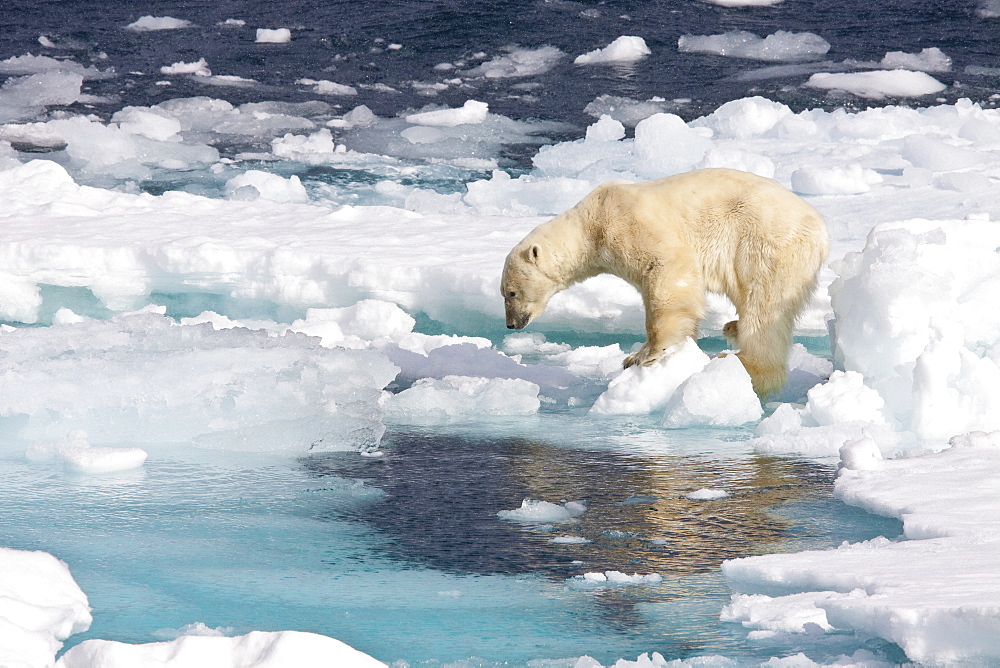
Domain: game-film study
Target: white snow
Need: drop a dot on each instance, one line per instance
(258, 648)
(625, 49)
(933, 591)
(644, 389)
(781, 46)
(40, 606)
(719, 395)
(144, 379)
(463, 397)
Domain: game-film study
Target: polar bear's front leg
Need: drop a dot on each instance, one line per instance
(673, 308)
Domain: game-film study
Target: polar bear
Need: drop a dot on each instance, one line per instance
(716, 230)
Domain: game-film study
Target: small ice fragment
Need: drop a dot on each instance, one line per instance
(273, 36)
(532, 511)
(706, 494)
(154, 23)
(625, 49)
(570, 540)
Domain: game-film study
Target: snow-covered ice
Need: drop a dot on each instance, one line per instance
(544, 512)
(625, 49)
(932, 591)
(302, 302)
(781, 46)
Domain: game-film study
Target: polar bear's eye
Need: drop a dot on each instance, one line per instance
(511, 294)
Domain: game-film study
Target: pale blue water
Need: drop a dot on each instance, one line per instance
(404, 556)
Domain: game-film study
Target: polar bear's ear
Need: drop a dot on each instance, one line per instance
(532, 253)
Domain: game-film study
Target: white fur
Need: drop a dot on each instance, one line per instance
(717, 230)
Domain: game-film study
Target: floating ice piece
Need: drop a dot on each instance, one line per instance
(462, 397)
(707, 495)
(570, 540)
(644, 389)
(258, 648)
(140, 378)
(24, 97)
(930, 59)
(273, 35)
(31, 64)
(781, 46)
(613, 579)
(153, 23)
(878, 85)
(80, 456)
(254, 183)
(324, 87)
(720, 395)
(198, 67)
(796, 613)
(519, 63)
(544, 512)
(471, 112)
(40, 606)
(821, 180)
(625, 49)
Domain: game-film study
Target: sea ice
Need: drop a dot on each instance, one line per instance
(141, 378)
(463, 397)
(273, 35)
(645, 389)
(80, 456)
(613, 579)
(153, 23)
(518, 63)
(720, 395)
(933, 591)
(927, 60)
(324, 87)
(198, 67)
(40, 606)
(470, 112)
(255, 183)
(258, 648)
(707, 495)
(779, 47)
(544, 512)
(879, 85)
(625, 49)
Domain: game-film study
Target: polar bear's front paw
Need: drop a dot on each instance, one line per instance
(643, 357)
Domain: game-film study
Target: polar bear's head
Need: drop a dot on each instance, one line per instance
(527, 284)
